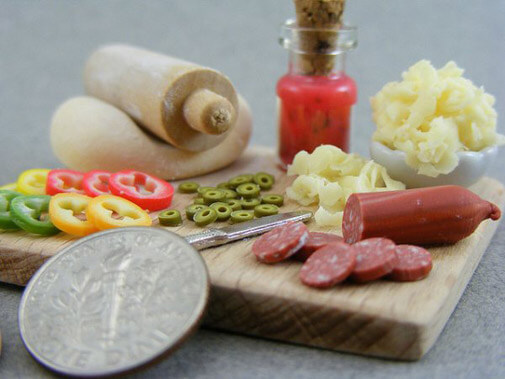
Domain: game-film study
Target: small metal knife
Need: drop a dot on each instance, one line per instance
(216, 237)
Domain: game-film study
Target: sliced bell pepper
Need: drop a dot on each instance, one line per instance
(67, 213)
(147, 191)
(108, 211)
(10, 187)
(6, 197)
(27, 212)
(96, 183)
(32, 182)
(64, 181)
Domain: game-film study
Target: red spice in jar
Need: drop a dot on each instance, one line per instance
(314, 110)
(315, 97)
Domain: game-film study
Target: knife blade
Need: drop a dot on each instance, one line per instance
(216, 237)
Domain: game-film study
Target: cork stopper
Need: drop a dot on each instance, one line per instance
(318, 14)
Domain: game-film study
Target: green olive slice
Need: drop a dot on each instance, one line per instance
(235, 204)
(248, 190)
(198, 200)
(273, 199)
(264, 180)
(213, 195)
(191, 210)
(250, 203)
(205, 217)
(170, 217)
(223, 185)
(241, 216)
(188, 187)
(240, 179)
(223, 210)
(202, 190)
(229, 194)
(263, 210)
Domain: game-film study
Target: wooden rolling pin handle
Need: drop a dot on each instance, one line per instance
(208, 112)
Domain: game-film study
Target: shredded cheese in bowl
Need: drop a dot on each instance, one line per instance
(433, 114)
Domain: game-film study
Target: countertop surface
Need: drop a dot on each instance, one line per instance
(43, 46)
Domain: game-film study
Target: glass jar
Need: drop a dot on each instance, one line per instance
(315, 96)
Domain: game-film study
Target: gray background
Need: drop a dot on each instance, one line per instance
(43, 45)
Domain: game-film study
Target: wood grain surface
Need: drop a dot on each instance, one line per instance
(382, 318)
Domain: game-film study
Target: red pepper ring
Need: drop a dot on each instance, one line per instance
(96, 183)
(64, 181)
(147, 191)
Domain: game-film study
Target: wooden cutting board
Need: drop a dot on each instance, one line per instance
(383, 318)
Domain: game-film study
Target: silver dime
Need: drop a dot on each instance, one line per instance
(113, 301)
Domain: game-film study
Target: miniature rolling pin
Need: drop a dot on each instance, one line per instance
(190, 106)
(90, 134)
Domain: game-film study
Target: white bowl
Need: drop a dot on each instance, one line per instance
(471, 167)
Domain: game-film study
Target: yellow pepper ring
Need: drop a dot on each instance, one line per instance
(66, 211)
(108, 211)
(10, 186)
(32, 182)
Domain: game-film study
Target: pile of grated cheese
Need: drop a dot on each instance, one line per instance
(329, 176)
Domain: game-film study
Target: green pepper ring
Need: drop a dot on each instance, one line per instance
(26, 211)
(6, 197)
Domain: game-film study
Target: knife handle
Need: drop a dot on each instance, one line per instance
(216, 237)
(208, 238)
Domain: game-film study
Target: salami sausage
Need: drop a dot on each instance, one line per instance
(412, 263)
(316, 240)
(280, 243)
(424, 216)
(375, 257)
(328, 265)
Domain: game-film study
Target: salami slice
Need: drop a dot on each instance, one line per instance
(280, 243)
(352, 224)
(375, 257)
(412, 263)
(316, 240)
(328, 265)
